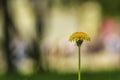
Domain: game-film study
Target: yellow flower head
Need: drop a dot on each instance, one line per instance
(79, 36)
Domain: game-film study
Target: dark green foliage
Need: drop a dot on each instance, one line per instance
(104, 75)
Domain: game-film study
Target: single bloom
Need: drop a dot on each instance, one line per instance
(79, 36)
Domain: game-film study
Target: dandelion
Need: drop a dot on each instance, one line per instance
(79, 37)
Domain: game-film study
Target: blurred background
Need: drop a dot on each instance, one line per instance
(34, 39)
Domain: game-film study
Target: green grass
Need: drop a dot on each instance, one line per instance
(39, 76)
(104, 75)
(115, 75)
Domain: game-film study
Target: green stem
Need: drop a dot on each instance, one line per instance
(79, 63)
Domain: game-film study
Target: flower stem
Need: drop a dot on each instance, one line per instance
(79, 63)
